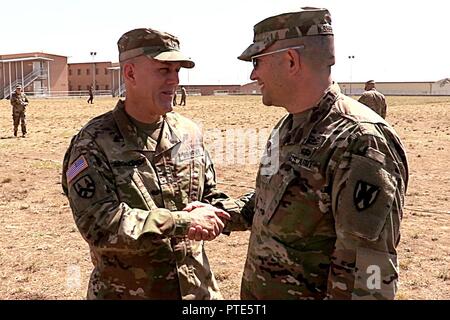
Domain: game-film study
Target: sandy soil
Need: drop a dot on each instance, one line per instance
(42, 255)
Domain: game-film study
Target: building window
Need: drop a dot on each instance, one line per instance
(79, 72)
(96, 71)
(87, 87)
(70, 88)
(87, 71)
(70, 72)
(79, 88)
(97, 87)
(106, 72)
(106, 87)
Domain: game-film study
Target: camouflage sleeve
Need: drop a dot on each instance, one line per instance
(89, 184)
(363, 99)
(241, 210)
(383, 108)
(367, 198)
(15, 101)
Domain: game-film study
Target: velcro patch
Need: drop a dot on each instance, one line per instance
(364, 195)
(85, 187)
(76, 168)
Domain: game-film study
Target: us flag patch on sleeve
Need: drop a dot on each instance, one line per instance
(76, 168)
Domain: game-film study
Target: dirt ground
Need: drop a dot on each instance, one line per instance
(42, 255)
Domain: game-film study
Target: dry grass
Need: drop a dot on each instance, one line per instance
(42, 255)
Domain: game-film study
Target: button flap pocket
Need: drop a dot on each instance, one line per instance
(274, 193)
(366, 198)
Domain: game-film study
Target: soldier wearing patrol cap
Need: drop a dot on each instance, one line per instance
(374, 99)
(325, 216)
(128, 175)
(19, 102)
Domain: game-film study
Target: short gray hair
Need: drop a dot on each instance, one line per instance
(318, 51)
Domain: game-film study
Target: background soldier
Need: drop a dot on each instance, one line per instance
(174, 101)
(19, 102)
(129, 173)
(325, 215)
(183, 96)
(374, 99)
(91, 95)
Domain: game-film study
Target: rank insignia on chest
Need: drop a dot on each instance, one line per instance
(315, 140)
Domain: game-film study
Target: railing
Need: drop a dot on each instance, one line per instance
(68, 94)
(27, 80)
(120, 91)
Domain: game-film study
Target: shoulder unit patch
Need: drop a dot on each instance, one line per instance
(364, 195)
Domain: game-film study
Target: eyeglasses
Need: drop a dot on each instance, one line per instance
(255, 58)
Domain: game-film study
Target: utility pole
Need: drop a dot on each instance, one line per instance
(93, 54)
(351, 58)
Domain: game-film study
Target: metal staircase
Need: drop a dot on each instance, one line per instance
(39, 73)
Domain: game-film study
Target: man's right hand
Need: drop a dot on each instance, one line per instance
(205, 224)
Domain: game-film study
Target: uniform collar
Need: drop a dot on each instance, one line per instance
(307, 120)
(169, 136)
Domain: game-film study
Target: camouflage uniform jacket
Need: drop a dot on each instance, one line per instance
(128, 208)
(325, 216)
(18, 102)
(374, 100)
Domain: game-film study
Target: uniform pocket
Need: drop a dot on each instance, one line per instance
(366, 199)
(274, 191)
(139, 184)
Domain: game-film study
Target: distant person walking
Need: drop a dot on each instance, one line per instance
(374, 99)
(19, 102)
(183, 96)
(91, 95)
(174, 101)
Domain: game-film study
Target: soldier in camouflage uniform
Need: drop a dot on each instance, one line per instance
(129, 173)
(19, 102)
(325, 215)
(374, 99)
(183, 96)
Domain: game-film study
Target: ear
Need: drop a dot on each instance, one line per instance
(294, 61)
(128, 72)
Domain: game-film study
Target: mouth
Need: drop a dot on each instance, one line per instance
(168, 92)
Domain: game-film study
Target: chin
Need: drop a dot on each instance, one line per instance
(267, 102)
(168, 108)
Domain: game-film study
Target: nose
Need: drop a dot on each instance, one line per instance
(253, 75)
(173, 78)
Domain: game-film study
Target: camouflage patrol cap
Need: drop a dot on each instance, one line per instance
(18, 87)
(152, 43)
(308, 21)
(370, 82)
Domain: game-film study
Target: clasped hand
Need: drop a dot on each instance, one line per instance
(206, 221)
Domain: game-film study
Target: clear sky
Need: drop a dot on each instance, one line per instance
(391, 40)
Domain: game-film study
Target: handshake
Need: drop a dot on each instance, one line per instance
(206, 221)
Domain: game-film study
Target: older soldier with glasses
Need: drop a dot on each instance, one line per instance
(325, 216)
